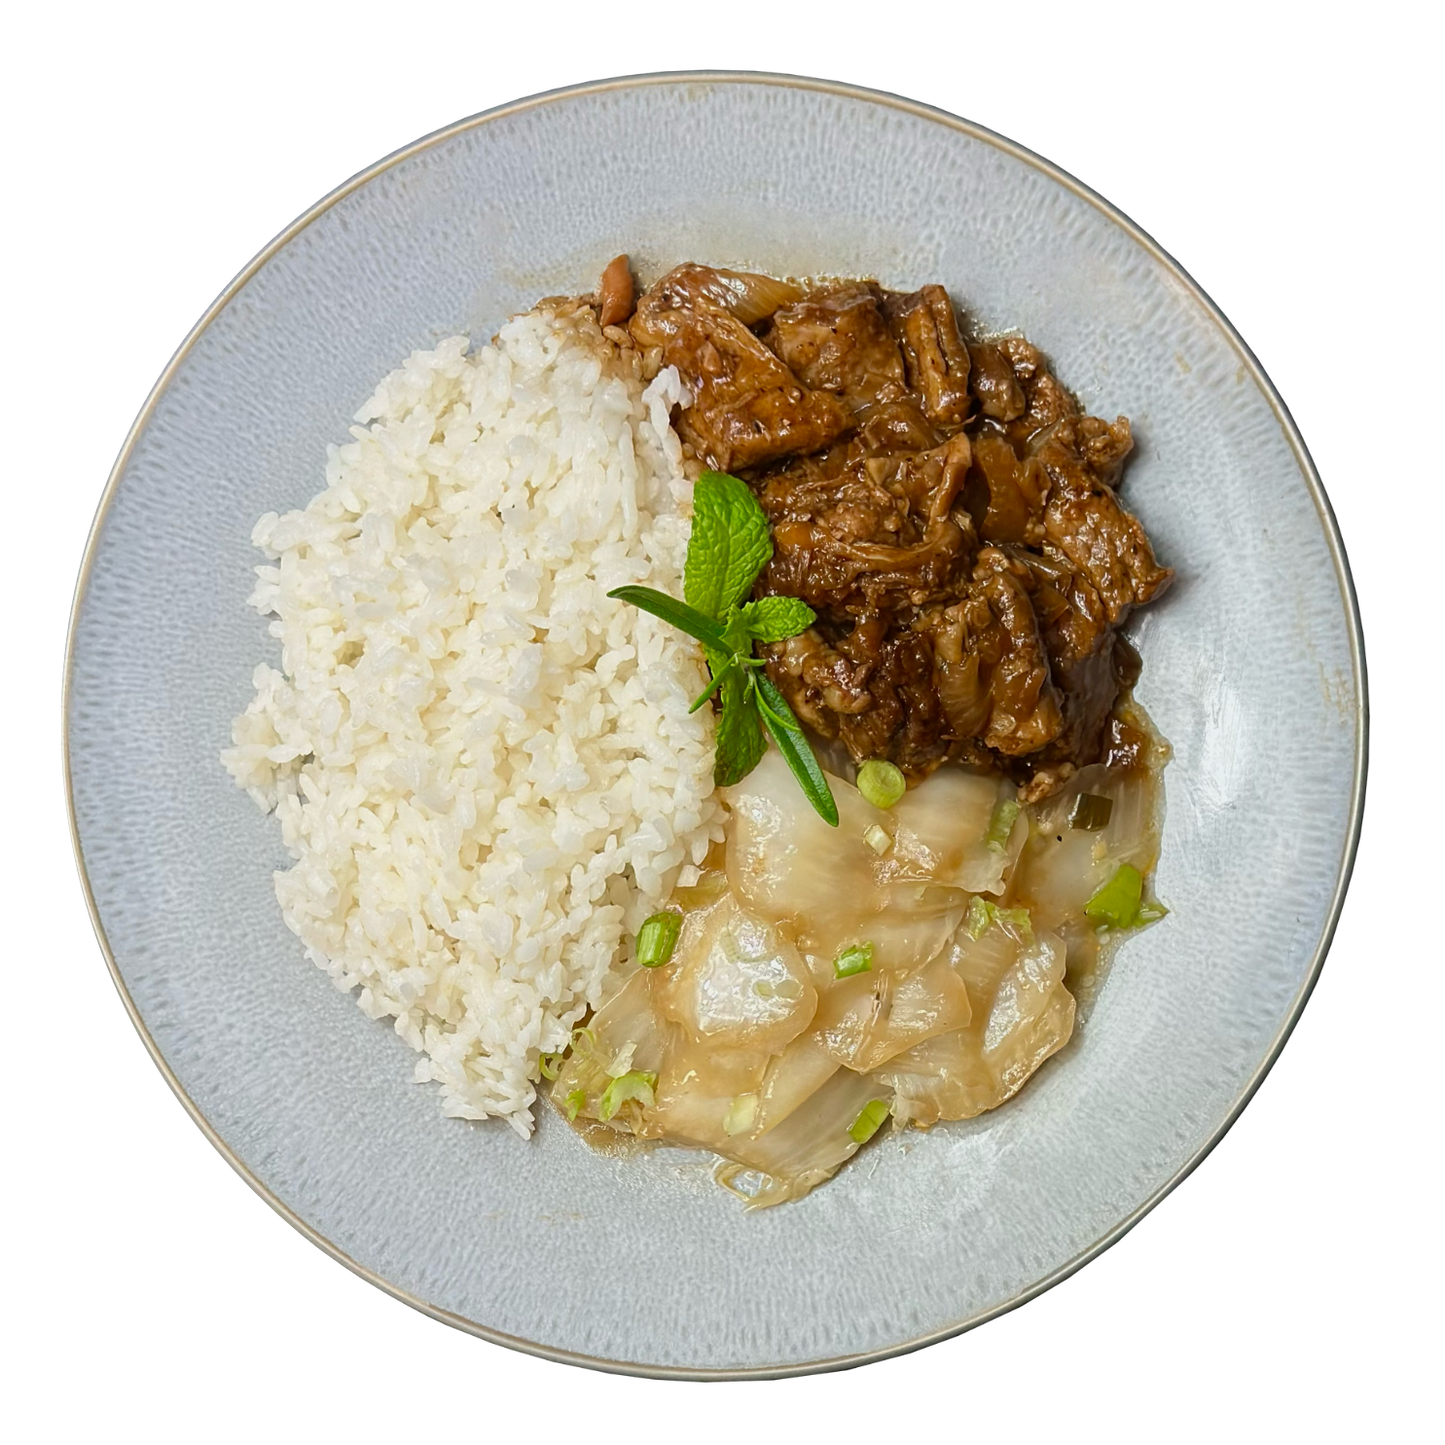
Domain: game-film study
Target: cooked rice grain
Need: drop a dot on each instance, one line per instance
(484, 768)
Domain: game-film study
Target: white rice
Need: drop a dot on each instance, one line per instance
(484, 768)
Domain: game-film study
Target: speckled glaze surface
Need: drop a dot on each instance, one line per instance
(644, 1265)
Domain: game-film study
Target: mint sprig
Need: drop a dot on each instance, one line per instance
(730, 545)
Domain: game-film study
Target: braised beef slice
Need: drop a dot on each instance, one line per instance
(991, 666)
(906, 723)
(838, 341)
(1003, 494)
(818, 681)
(859, 534)
(1084, 521)
(993, 382)
(933, 352)
(872, 686)
(1081, 648)
(748, 407)
(1085, 663)
(895, 426)
(1045, 400)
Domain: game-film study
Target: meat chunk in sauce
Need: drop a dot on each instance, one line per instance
(748, 407)
(861, 535)
(1004, 495)
(839, 341)
(1083, 518)
(1046, 402)
(937, 359)
(940, 503)
(1091, 664)
(993, 382)
(990, 665)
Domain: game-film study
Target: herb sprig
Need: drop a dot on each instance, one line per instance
(730, 545)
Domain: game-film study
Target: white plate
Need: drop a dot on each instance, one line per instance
(1253, 668)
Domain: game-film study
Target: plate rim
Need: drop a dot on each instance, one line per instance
(1308, 471)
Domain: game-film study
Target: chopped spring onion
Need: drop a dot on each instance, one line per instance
(657, 938)
(636, 1085)
(856, 958)
(869, 1121)
(740, 1115)
(982, 915)
(550, 1065)
(881, 783)
(584, 1038)
(876, 837)
(1117, 904)
(1001, 825)
(1090, 812)
(573, 1102)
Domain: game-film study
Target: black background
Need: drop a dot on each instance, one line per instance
(1252, 1256)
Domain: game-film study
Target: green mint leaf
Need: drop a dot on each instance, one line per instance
(729, 545)
(771, 619)
(736, 636)
(795, 750)
(679, 614)
(740, 741)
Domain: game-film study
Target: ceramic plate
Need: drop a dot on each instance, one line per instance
(644, 1265)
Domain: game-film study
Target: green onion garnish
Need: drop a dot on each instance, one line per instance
(550, 1065)
(869, 1121)
(1090, 812)
(635, 1085)
(657, 938)
(881, 783)
(1117, 903)
(573, 1102)
(1001, 825)
(856, 958)
(982, 915)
